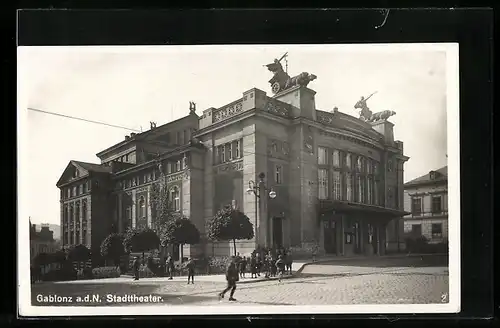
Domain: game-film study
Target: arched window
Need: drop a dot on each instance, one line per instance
(175, 198)
(142, 207)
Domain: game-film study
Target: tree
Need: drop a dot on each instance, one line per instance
(230, 224)
(112, 248)
(140, 240)
(180, 231)
(79, 253)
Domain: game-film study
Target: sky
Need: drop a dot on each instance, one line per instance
(131, 86)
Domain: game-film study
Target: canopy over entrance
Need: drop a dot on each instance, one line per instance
(329, 206)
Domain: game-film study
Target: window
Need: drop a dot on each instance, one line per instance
(178, 166)
(348, 161)
(74, 191)
(376, 194)
(126, 158)
(229, 151)
(361, 189)
(337, 186)
(322, 156)
(175, 198)
(323, 184)
(436, 204)
(348, 185)
(359, 164)
(84, 211)
(222, 155)
(84, 188)
(68, 192)
(369, 166)
(84, 236)
(80, 187)
(278, 174)
(169, 167)
(416, 205)
(142, 207)
(336, 158)
(78, 214)
(236, 149)
(437, 230)
(369, 191)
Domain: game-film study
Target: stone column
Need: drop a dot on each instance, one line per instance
(75, 216)
(134, 214)
(89, 222)
(148, 208)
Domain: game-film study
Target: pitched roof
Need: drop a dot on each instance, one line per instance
(442, 176)
(92, 167)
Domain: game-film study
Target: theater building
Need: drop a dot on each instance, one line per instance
(337, 179)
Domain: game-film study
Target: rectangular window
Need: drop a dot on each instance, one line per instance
(348, 185)
(236, 149)
(229, 151)
(74, 191)
(84, 188)
(322, 156)
(359, 164)
(336, 158)
(376, 192)
(416, 205)
(437, 230)
(436, 204)
(323, 184)
(278, 175)
(361, 188)
(80, 187)
(337, 185)
(222, 154)
(368, 164)
(369, 191)
(178, 166)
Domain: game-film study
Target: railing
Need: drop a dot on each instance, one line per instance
(428, 214)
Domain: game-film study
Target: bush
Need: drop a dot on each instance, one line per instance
(106, 272)
(85, 273)
(66, 273)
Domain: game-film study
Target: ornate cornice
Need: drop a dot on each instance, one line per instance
(227, 111)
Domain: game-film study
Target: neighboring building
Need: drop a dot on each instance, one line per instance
(426, 198)
(41, 241)
(338, 178)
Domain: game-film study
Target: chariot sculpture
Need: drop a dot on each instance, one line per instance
(282, 81)
(367, 115)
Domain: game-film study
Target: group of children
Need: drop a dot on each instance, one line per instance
(271, 263)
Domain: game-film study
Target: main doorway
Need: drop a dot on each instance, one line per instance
(330, 236)
(277, 232)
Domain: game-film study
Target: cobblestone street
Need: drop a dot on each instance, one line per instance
(393, 282)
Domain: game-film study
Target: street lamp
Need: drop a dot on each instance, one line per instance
(257, 189)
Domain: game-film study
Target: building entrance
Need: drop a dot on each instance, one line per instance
(330, 236)
(277, 232)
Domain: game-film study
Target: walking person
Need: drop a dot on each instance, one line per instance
(259, 264)
(243, 267)
(253, 266)
(170, 266)
(190, 266)
(289, 262)
(314, 252)
(232, 277)
(280, 266)
(136, 266)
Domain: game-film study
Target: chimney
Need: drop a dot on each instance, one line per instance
(132, 135)
(127, 137)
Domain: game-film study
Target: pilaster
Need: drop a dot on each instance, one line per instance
(134, 209)
(148, 207)
(120, 212)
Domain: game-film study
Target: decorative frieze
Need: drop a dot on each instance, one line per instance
(177, 176)
(278, 149)
(229, 167)
(325, 118)
(347, 138)
(275, 108)
(227, 112)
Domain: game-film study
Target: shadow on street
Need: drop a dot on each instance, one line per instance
(409, 261)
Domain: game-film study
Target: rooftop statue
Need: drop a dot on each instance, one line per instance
(366, 114)
(282, 81)
(192, 107)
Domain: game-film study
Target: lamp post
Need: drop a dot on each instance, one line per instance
(259, 189)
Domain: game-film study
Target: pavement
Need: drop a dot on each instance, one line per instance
(387, 280)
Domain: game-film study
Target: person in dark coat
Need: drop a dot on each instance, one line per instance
(289, 262)
(190, 265)
(136, 265)
(243, 266)
(280, 265)
(170, 266)
(232, 277)
(253, 266)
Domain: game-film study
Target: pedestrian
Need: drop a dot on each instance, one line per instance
(289, 262)
(243, 267)
(231, 277)
(259, 264)
(190, 266)
(170, 266)
(314, 252)
(253, 266)
(280, 266)
(136, 266)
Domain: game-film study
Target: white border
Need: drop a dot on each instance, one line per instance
(452, 73)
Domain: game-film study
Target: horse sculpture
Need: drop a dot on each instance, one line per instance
(282, 81)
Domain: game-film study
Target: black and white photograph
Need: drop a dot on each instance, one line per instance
(238, 179)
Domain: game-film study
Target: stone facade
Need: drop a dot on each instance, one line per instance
(216, 157)
(426, 199)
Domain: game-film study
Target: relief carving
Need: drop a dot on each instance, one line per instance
(275, 108)
(278, 149)
(227, 112)
(229, 167)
